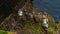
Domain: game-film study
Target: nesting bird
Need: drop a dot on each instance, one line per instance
(20, 12)
(45, 22)
(45, 25)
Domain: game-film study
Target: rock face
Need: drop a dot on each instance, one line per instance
(9, 6)
(6, 6)
(13, 19)
(29, 22)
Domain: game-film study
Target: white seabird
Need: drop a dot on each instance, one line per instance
(20, 12)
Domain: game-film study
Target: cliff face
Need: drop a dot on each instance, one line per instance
(29, 23)
(6, 6)
(9, 6)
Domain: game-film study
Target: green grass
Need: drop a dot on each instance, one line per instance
(3, 32)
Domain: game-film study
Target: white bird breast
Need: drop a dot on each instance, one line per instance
(44, 20)
(20, 12)
(45, 23)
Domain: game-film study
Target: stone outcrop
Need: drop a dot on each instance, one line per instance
(30, 22)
